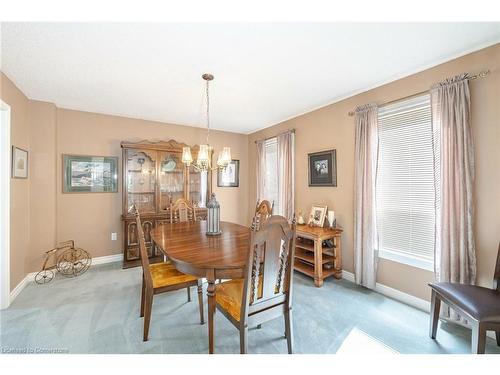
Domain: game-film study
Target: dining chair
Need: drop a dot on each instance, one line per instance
(479, 305)
(160, 278)
(263, 210)
(265, 293)
(181, 211)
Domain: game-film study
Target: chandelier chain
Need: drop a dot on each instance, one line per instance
(208, 112)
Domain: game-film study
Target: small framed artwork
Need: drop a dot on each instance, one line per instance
(318, 214)
(323, 168)
(230, 176)
(90, 174)
(19, 163)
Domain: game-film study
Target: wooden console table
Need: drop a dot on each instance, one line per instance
(314, 259)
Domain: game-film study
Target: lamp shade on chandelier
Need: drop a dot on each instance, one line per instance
(204, 160)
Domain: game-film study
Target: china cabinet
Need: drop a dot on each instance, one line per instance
(154, 177)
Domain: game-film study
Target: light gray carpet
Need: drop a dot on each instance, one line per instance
(99, 313)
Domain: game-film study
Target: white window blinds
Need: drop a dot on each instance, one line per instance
(405, 193)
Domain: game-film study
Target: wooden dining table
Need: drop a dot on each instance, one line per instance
(214, 257)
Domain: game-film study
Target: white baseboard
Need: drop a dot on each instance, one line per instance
(19, 287)
(107, 259)
(31, 276)
(406, 298)
(395, 294)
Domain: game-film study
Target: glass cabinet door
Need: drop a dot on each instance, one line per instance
(198, 187)
(171, 179)
(141, 180)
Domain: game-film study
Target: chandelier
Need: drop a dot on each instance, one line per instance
(204, 161)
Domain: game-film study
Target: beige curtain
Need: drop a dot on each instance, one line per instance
(365, 170)
(261, 168)
(286, 174)
(455, 254)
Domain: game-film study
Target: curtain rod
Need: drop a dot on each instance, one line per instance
(481, 74)
(274, 136)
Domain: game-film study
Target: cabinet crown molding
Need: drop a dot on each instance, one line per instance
(170, 145)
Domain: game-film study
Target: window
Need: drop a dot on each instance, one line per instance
(271, 187)
(405, 191)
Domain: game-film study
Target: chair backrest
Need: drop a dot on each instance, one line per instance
(263, 211)
(142, 248)
(182, 211)
(269, 271)
(496, 276)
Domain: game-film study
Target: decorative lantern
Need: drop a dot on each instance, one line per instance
(213, 217)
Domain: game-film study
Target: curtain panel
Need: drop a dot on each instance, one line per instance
(455, 253)
(365, 225)
(286, 167)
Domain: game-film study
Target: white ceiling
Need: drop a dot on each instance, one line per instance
(264, 73)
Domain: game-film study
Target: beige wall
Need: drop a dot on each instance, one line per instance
(41, 215)
(19, 188)
(42, 127)
(331, 127)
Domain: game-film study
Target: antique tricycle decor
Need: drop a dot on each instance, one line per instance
(70, 261)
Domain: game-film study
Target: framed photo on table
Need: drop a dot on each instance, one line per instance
(19, 163)
(318, 214)
(90, 174)
(230, 176)
(323, 168)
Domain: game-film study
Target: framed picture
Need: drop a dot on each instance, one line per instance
(229, 177)
(318, 214)
(323, 168)
(19, 163)
(90, 174)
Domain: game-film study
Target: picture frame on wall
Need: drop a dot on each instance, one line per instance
(230, 176)
(19, 163)
(317, 215)
(323, 168)
(90, 174)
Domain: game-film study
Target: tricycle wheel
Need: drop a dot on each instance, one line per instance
(73, 262)
(44, 277)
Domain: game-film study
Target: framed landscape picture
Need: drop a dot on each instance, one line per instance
(19, 163)
(90, 174)
(323, 168)
(229, 177)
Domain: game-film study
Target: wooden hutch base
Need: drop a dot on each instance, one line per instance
(314, 259)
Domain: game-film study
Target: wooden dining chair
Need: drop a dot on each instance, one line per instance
(265, 293)
(263, 211)
(181, 211)
(160, 278)
(479, 305)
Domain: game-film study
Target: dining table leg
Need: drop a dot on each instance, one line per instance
(211, 312)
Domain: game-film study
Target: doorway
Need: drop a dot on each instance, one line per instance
(5, 156)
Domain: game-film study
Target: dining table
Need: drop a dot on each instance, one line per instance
(194, 252)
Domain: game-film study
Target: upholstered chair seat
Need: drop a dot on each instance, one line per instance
(481, 303)
(165, 274)
(229, 295)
